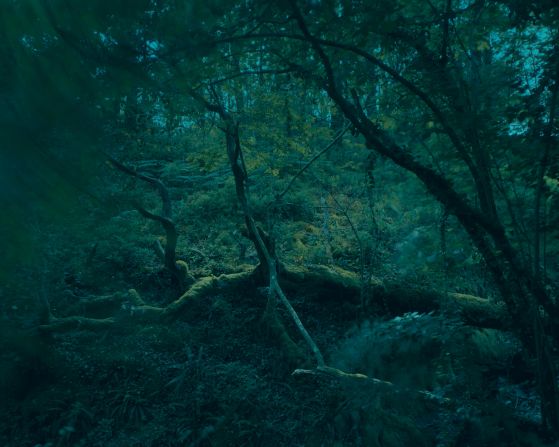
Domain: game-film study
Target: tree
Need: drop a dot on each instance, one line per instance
(466, 117)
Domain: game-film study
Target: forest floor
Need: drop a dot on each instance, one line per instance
(217, 377)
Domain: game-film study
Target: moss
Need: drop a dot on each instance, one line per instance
(324, 275)
(332, 273)
(183, 266)
(481, 310)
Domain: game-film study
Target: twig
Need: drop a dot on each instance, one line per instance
(312, 160)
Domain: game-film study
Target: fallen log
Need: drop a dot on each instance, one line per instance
(389, 298)
(322, 282)
(133, 308)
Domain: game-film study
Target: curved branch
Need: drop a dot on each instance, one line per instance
(180, 276)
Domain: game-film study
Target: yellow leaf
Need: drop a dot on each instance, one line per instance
(388, 123)
(482, 45)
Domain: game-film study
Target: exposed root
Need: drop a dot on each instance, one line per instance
(328, 371)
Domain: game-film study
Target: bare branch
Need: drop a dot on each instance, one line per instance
(250, 73)
(313, 159)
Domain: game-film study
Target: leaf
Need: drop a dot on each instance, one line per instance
(482, 45)
(388, 123)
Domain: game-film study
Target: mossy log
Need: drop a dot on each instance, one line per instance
(133, 308)
(333, 283)
(323, 282)
(202, 288)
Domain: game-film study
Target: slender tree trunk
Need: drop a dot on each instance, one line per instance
(178, 269)
(263, 247)
(548, 146)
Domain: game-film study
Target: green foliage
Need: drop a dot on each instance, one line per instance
(82, 81)
(130, 405)
(425, 351)
(417, 350)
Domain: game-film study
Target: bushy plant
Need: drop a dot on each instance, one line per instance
(413, 350)
(430, 351)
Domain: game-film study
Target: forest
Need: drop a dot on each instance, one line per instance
(279, 223)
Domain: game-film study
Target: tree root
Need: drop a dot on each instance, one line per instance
(328, 371)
